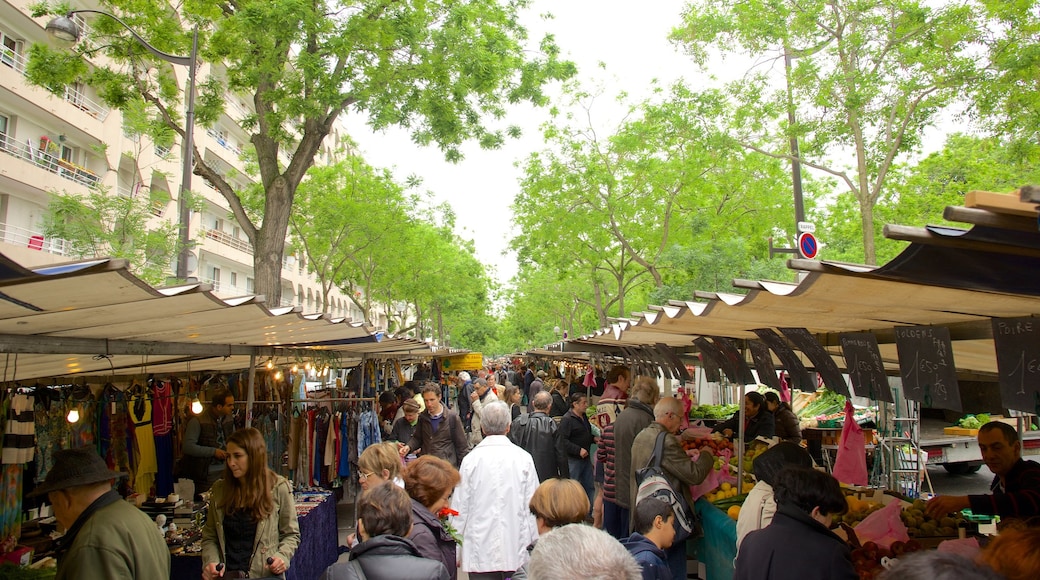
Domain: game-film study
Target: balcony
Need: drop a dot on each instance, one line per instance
(19, 236)
(230, 241)
(26, 152)
(19, 62)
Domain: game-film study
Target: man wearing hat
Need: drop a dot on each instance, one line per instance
(105, 537)
(404, 426)
(535, 387)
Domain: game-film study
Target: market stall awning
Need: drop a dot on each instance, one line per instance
(949, 277)
(96, 317)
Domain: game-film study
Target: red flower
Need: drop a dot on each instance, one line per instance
(446, 511)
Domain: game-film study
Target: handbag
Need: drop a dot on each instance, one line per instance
(652, 482)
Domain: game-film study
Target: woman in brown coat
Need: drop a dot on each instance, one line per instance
(787, 426)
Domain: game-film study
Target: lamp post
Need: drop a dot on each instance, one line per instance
(66, 29)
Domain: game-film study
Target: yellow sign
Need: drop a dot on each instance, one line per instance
(463, 362)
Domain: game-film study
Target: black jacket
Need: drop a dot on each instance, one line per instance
(793, 547)
(650, 558)
(559, 405)
(575, 434)
(537, 434)
(761, 425)
(431, 539)
(786, 424)
(389, 558)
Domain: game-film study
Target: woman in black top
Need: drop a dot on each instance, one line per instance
(758, 421)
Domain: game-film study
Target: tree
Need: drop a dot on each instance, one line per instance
(868, 79)
(340, 212)
(918, 193)
(116, 226)
(439, 68)
(615, 207)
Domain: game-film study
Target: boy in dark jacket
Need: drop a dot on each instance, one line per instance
(384, 519)
(655, 531)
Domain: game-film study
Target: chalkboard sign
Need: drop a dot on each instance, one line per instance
(764, 364)
(800, 378)
(1017, 341)
(712, 351)
(736, 360)
(927, 367)
(820, 358)
(866, 369)
(712, 373)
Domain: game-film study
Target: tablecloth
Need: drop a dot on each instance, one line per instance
(717, 549)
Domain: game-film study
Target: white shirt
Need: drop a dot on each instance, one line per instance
(498, 480)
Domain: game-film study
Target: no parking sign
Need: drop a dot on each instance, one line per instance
(808, 247)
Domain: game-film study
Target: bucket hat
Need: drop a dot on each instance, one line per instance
(74, 467)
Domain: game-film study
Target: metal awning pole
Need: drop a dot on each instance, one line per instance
(251, 390)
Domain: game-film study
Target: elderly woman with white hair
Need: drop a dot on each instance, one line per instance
(580, 551)
(498, 481)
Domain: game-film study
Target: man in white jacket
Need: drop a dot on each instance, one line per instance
(498, 480)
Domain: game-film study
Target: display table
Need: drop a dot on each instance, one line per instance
(318, 549)
(717, 549)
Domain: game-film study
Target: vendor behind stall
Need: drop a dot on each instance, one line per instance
(758, 421)
(1016, 487)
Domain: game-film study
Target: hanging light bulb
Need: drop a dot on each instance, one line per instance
(270, 364)
(295, 369)
(73, 416)
(196, 405)
(278, 375)
(308, 365)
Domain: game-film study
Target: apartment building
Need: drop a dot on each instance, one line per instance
(73, 142)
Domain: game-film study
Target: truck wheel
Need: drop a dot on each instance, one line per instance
(962, 468)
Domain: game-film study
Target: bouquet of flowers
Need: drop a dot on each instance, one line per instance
(443, 516)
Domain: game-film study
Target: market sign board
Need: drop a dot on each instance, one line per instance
(470, 361)
(927, 367)
(764, 364)
(866, 369)
(800, 378)
(1017, 341)
(820, 358)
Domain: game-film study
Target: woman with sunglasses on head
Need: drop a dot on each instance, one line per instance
(378, 463)
(252, 530)
(430, 481)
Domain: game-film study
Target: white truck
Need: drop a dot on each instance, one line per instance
(959, 454)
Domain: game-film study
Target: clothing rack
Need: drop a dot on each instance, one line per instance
(334, 400)
(257, 402)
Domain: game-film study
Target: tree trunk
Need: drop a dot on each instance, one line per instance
(270, 241)
(866, 216)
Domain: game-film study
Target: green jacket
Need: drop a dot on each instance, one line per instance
(680, 471)
(117, 542)
(277, 535)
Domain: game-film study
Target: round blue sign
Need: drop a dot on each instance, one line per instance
(807, 245)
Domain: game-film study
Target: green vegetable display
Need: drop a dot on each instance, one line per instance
(713, 411)
(827, 403)
(974, 421)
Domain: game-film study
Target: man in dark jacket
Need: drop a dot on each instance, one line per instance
(1016, 482)
(634, 418)
(205, 439)
(439, 431)
(655, 532)
(536, 433)
(576, 441)
(384, 519)
(797, 544)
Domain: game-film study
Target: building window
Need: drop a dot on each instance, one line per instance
(8, 50)
(216, 276)
(234, 279)
(249, 285)
(3, 124)
(68, 154)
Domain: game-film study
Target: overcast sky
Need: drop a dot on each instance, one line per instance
(630, 38)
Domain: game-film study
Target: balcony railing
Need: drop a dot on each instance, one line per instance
(19, 63)
(230, 241)
(19, 236)
(26, 152)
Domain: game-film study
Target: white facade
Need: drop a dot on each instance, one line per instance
(54, 144)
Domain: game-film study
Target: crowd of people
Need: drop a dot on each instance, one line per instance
(521, 498)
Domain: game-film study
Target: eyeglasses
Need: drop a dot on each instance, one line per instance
(363, 477)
